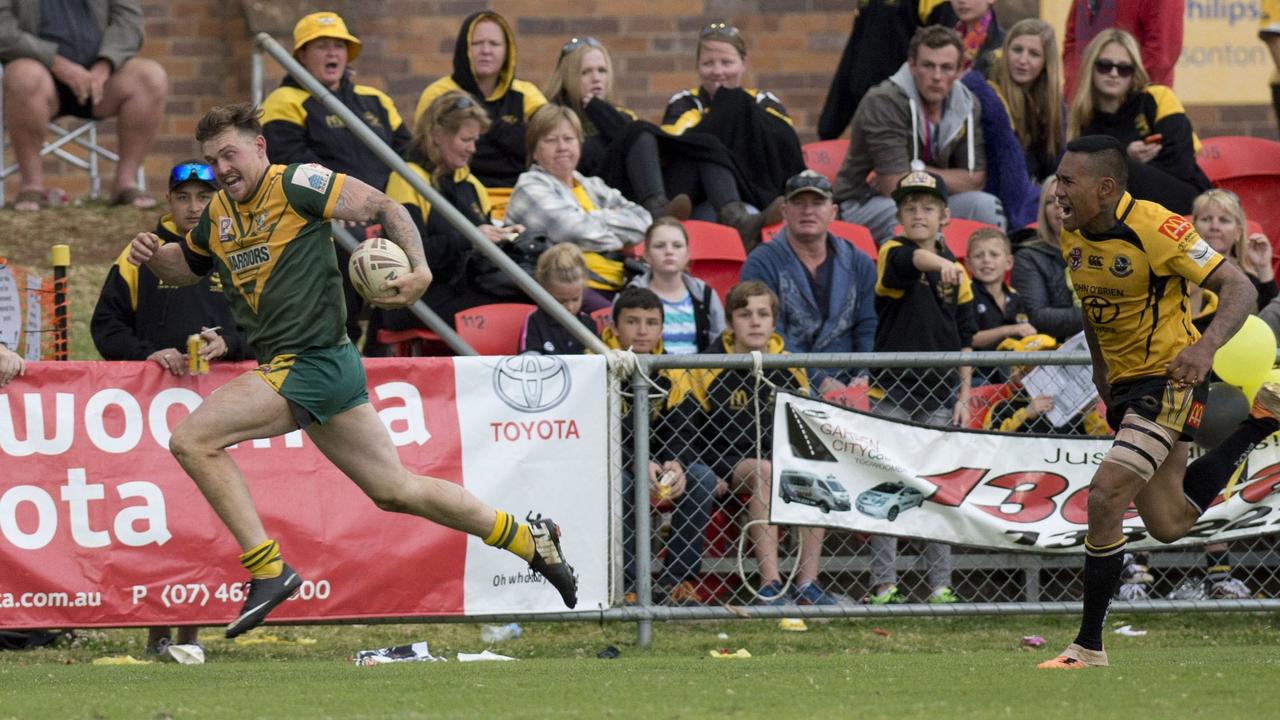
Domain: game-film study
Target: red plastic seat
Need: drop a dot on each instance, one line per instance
(715, 254)
(1250, 168)
(857, 235)
(983, 397)
(414, 342)
(825, 156)
(493, 329)
(853, 396)
(957, 232)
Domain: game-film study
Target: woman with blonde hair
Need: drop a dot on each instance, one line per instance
(1116, 98)
(667, 174)
(444, 141)
(1220, 220)
(1028, 77)
(1040, 274)
(563, 273)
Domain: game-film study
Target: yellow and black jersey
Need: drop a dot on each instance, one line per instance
(917, 311)
(274, 255)
(462, 189)
(1155, 111)
(685, 109)
(1132, 284)
(300, 129)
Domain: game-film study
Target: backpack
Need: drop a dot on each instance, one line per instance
(484, 275)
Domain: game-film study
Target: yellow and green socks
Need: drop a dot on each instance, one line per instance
(511, 536)
(263, 561)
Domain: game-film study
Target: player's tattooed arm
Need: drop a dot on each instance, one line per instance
(361, 203)
(1236, 299)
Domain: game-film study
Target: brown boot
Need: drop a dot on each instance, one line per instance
(748, 224)
(679, 207)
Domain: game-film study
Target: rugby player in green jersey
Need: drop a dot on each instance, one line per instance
(266, 233)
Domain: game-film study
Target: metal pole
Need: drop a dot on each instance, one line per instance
(438, 204)
(256, 80)
(640, 475)
(419, 309)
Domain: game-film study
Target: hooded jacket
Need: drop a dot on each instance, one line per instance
(1007, 175)
(708, 313)
(138, 314)
(300, 129)
(887, 135)
(499, 157)
(848, 324)
(1040, 277)
(721, 403)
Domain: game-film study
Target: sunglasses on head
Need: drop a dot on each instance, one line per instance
(577, 42)
(1104, 67)
(719, 28)
(190, 171)
(461, 103)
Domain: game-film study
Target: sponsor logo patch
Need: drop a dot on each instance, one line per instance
(1201, 253)
(249, 258)
(1095, 262)
(1175, 227)
(1121, 267)
(1075, 256)
(224, 229)
(313, 177)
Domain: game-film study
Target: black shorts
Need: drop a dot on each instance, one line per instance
(1159, 400)
(68, 105)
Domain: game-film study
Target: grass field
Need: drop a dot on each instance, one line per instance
(1219, 666)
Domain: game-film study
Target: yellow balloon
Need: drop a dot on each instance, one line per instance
(1246, 359)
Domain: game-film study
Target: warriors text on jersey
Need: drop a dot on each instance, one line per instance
(1132, 284)
(275, 257)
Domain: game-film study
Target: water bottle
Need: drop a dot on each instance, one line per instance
(498, 633)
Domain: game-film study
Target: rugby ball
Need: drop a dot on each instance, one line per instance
(374, 262)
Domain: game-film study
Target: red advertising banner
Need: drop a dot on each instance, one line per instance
(99, 526)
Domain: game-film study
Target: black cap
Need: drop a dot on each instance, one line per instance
(808, 181)
(920, 181)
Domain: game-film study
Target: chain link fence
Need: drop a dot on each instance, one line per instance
(697, 428)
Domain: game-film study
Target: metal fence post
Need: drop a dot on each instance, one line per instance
(640, 476)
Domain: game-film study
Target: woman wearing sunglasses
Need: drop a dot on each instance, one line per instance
(1116, 98)
(665, 173)
(445, 136)
(752, 124)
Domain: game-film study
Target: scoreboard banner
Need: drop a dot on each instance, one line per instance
(99, 526)
(845, 469)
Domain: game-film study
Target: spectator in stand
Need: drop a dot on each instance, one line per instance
(1157, 24)
(79, 59)
(998, 310)
(981, 33)
(667, 174)
(692, 314)
(925, 302)
(1117, 98)
(721, 404)
(1040, 274)
(444, 141)
(138, 317)
(919, 117)
(484, 64)
(876, 48)
(1028, 77)
(751, 123)
(1025, 414)
(11, 365)
(1269, 32)
(300, 129)
(1220, 220)
(824, 284)
(552, 197)
(675, 474)
(563, 273)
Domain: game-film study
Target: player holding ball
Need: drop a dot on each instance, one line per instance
(266, 233)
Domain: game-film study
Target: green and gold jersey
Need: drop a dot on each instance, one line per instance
(1132, 284)
(275, 257)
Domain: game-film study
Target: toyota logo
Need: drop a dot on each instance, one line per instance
(531, 383)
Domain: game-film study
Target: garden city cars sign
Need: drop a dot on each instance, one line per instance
(531, 383)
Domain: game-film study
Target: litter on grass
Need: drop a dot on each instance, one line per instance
(792, 625)
(120, 660)
(266, 639)
(724, 654)
(417, 652)
(1129, 631)
(1032, 641)
(189, 654)
(482, 656)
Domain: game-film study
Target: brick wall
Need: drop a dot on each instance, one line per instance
(794, 46)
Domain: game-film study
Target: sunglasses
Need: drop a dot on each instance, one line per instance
(577, 42)
(190, 171)
(462, 103)
(1104, 67)
(806, 182)
(719, 28)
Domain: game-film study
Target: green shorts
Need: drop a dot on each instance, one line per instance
(319, 382)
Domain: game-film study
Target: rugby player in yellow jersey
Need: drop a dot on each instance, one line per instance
(266, 233)
(1130, 262)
